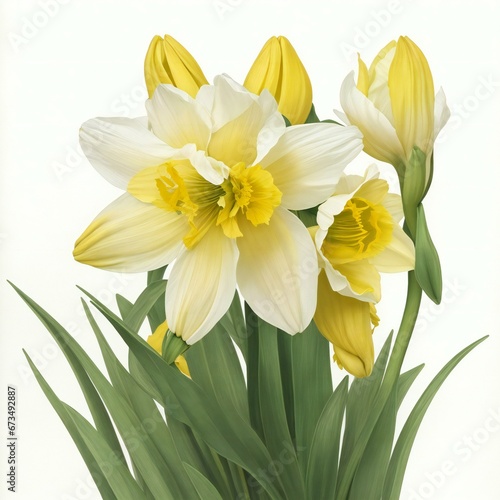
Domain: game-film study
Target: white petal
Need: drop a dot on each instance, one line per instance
(378, 93)
(393, 204)
(212, 170)
(379, 136)
(345, 189)
(307, 161)
(441, 112)
(229, 101)
(274, 125)
(278, 271)
(398, 256)
(118, 148)
(131, 236)
(201, 286)
(236, 141)
(177, 119)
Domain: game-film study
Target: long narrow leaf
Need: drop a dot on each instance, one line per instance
(109, 484)
(151, 421)
(206, 490)
(272, 408)
(401, 453)
(226, 432)
(312, 386)
(321, 477)
(215, 367)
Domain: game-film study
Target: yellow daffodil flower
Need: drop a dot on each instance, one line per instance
(210, 182)
(279, 70)
(394, 106)
(155, 340)
(167, 61)
(358, 235)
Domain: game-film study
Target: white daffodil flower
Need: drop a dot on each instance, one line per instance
(357, 237)
(209, 182)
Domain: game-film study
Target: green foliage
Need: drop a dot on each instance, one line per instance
(283, 432)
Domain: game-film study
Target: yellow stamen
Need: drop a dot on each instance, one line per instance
(250, 192)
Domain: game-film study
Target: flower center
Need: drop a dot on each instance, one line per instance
(249, 192)
(176, 186)
(360, 231)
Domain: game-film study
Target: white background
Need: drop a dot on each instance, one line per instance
(84, 59)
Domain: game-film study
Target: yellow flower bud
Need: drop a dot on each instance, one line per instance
(394, 105)
(167, 61)
(279, 70)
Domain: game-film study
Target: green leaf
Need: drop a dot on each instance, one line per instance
(144, 303)
(401, 453)
(195, 452)
(322, 467)
(427, 265)
(226, 432)
(97, 409)
(273, 416)
(99, 475)
(312, 117)
(206, 490)
(120, 479)
(156, 315)
(252, 361)
(215, 367)
(124, 305)
(360, 401)
(234, 324)
(152, 423)
(369, 478)
(312, 386)
(406, 380)
(142, 451)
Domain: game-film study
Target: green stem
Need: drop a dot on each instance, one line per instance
(412, 306)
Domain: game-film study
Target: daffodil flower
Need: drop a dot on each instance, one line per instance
(210, 183)
(277, 68)
(357, 237)
(394, 106)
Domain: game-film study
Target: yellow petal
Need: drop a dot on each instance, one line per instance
(167, 61)
(279, 70)
(296, 91)
(363, 78)
(346, 323)
(181, 363)
(155, 340)
(265, 71)
(411, 90)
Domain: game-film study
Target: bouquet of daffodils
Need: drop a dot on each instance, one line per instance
(273, 257)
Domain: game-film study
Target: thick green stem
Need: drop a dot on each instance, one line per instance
(412, 306)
